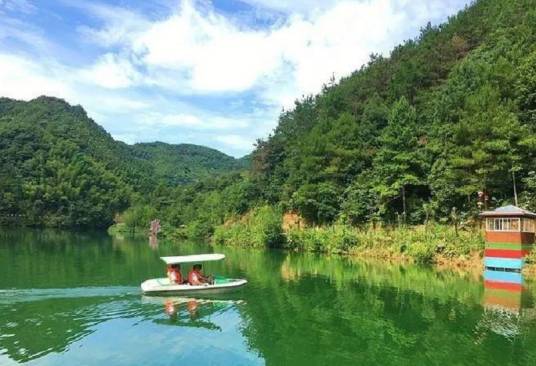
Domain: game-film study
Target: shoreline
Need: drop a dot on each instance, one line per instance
(437, 245)
(473, 264)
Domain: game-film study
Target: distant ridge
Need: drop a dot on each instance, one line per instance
(59, 164)
(184, 163)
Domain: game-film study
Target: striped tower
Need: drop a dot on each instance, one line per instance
(509, 237)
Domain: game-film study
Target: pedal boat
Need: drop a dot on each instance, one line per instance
(164, 285)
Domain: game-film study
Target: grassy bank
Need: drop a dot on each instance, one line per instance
(433, 243)
(424, 244)
(122, 229)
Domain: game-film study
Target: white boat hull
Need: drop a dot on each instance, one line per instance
(163, 285)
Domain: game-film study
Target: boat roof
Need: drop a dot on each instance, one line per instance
(193, 258)
(509, 210)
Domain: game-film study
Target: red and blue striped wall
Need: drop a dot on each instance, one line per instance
(507, 256)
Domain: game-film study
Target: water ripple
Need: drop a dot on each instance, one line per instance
(10, 296)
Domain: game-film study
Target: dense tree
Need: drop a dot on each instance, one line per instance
(446, 115)
(400, 162)
(526, 89)
(318, 203)
(59, 168)
(360, 201)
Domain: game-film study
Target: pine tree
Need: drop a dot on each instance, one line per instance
(400, 163)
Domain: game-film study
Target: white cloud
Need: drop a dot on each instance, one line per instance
(215, 54)
(21, 78)
(146, 78)
(13, 29)
(431, 10)
(111, 71)
(119, 23)
(198, 121)
(103, 104)
(201, 51)
(23, 6)
(184, 120)
(237, 142)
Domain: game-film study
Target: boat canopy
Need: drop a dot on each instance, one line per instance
(193, 258)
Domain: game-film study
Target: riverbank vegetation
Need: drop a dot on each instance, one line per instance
(404, 144)
(263, 227)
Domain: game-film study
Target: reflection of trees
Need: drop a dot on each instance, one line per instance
(509, 308)
(51, 258)
(41, 259)
(353, 324)
(34, 324)
(422, 280)
(299, 308)
(306, 309)
(33, 329)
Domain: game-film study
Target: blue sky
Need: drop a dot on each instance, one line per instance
(214, 73)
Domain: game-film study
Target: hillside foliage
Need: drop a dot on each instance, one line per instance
(61, 169)
(404, 139)
(447, 115)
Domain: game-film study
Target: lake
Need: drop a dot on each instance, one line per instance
(74, 299)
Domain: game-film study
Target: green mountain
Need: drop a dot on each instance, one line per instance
(448, 114)
(59, 168)
(410, 137)
(185, 163)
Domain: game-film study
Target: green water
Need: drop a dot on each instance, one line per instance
(74, 299)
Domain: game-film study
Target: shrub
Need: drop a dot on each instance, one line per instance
(138, 217)
(261, 227)
(199, 230)
(330, 239)
(420, 251)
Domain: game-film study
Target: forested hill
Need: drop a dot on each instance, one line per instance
(421, 132)
(410, 137)
(448, 114)
(59, 168)
(185, 163)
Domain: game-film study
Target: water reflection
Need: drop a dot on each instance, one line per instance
(56, 328)
(508, 304)
(189, 311)
(153, 242)
(504, 291)
(33, 329)
(74, 299)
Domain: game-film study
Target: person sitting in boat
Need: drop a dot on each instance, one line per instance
(174, 273)
(196, 277)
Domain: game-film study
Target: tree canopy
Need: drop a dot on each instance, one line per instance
(413, 135)
(59, 168)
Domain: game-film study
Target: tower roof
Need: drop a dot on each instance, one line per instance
(509, 210)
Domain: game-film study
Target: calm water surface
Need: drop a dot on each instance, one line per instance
(74, 299)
